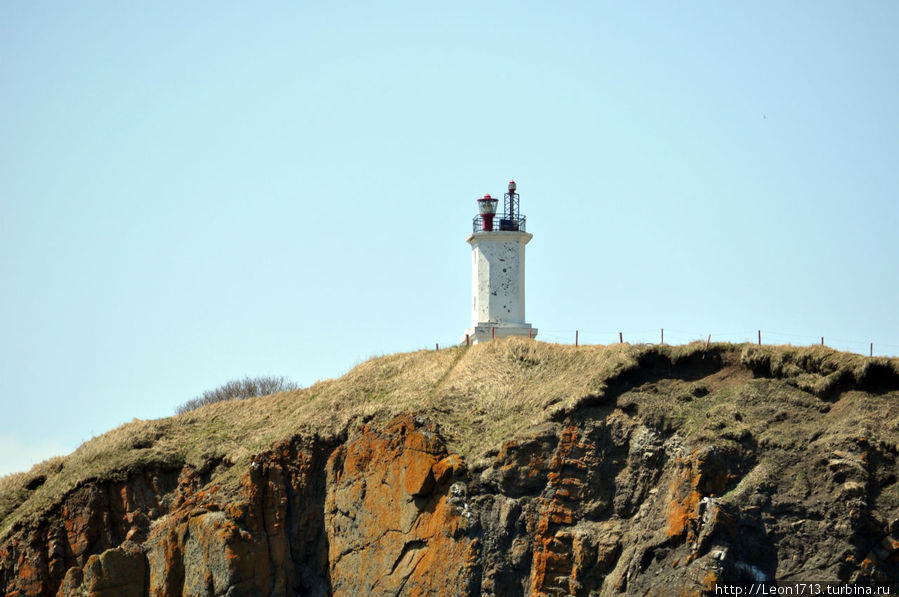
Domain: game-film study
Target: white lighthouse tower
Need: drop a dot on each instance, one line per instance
(497, 271)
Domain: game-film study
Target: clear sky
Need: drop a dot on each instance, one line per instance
(194, 192)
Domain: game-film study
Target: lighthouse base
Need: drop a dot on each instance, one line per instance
(486, 331)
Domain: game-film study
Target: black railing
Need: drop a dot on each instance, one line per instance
(501, 223)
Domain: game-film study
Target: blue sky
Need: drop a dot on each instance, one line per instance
(196, 192)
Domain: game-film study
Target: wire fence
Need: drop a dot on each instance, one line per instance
(676, 336)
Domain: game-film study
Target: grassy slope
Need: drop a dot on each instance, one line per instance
(480, 396)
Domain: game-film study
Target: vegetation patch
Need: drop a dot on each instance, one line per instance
(739, 395)
(239, 389)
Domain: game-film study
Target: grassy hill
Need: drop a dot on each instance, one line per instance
(496, 391)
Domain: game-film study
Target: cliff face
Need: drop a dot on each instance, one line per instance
(721, 467)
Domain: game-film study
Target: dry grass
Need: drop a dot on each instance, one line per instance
(480, 395)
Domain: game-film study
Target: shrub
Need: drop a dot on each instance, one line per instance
(239, 389)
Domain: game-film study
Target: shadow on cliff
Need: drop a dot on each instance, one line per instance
(652, 366)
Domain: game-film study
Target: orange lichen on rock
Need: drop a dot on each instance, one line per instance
(87, 521)
(445, 468)
(710, 580)
(683, 507)
(554, 566)
(116, 572)
(418, 477)
(700, 474)
(31, 577)
(388, 526)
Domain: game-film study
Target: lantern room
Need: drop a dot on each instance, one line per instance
(510, 219)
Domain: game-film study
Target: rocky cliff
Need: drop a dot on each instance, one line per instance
(511, 468)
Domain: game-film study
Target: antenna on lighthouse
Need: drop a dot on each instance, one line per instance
(510, 207)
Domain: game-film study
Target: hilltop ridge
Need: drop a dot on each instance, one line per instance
(512, 467)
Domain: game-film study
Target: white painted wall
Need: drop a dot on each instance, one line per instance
(497, 282)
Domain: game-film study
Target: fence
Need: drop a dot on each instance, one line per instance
(579, 337)
(501, 223)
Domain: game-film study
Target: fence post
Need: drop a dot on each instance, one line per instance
(760, 337)
(575, 338)
(663, 336)
(707, 340)
(822, 340)
(467, 340)
(492, 333)
(872, 349)
(529, 333)
(437, 346)
(620, 338)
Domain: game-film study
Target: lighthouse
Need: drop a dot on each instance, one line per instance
(497, 270)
